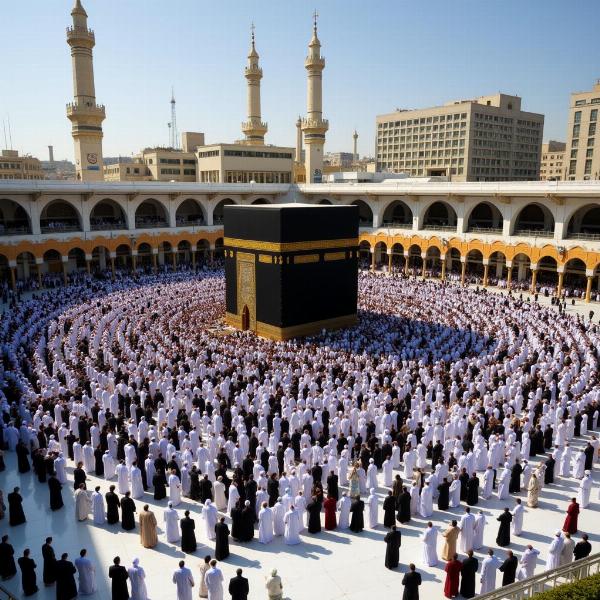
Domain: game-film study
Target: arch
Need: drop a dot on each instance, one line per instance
(575, 275)
(52, 261)
(521, 265)
(123, 257)
(364, 253)
(107, 214)
(151, 214)
(202, 251)
(324, 201)
(440, 215)
(218, 251)
(58, 216)
(27, 266)
(584, 224)
(190, 212)
(485, 217)
(100, 259)
(218, 211)
(184, 252)
(547, 268)
(497, 267)
(433, 261)
(144, 255)
(474, 264)
(397, 256)
(398, 214)
(14, 219)
(259, 201)
(380, 254)
(365, 214)
(4, 268)
(415, 260)
(534, 219)
(76, 258)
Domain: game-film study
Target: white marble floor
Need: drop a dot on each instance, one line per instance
(335, 565)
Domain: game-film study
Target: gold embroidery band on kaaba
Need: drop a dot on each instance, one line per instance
(290, 246)
(334, 256)
(300, 259)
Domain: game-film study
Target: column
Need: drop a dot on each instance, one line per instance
(486, 268)
(463, 272)
(509, 273)
(211, 255)
(444, 268)
(88, 263)
(533, 277)
(372, 250)
(12, 267)
(174, 258)
(561, 280)
(424, 257)
(389, 253)
(406, 263)
(113, 256)
(193, 259)
(154, 258)
(134, 261)
(65, 260)
(588, 287)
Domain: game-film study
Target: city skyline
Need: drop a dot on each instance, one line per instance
(363, 51)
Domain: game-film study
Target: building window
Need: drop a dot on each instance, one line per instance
(588, 167)
(589, 153)
(592, 129)
(572, 167)
(591, 141)
(573, 153)
(579, 102)
(577, 118)
(575, 144)
(594, 115)
(576, 130)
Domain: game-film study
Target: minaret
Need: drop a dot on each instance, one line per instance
(355, 151)
(85, 115)
(299, 140)
(254, 129)
(314, 126)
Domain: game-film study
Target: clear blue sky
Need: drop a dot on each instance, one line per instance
(380, 54)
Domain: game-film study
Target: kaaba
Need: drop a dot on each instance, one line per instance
(290, 269)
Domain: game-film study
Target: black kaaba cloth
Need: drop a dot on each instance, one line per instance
(290, 269)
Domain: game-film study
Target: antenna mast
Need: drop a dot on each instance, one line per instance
(173, 136)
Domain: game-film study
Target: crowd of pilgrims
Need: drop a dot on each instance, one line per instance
(440, 393)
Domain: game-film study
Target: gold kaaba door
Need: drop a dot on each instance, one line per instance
(246, 290)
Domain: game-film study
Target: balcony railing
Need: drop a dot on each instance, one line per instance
(14, 228)
(440, 227)
(583, 236)
(59, 225)
(528, 588)
(484, 230)
(185, 222)
(544, 233)
(106, 225)
(397, 225)
(150, 223)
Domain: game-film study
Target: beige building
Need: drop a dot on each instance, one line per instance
(582, 160)
(552, 167)
(243, 163)
(486, 139)
(13, 166)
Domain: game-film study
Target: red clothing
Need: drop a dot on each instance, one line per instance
(571, 519)
(453, 568)
(330, 519)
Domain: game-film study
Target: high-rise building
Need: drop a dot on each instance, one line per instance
(85, 115)
(314, 126)
(486, 139)
(552, 167)
(582, 155)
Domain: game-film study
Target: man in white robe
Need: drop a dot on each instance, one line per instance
(292, 527)
(213, 578)
(171, 519)
(137, 485)
(454, 499)
(174, 488)
(479, 530)
(467, 531)
(579, 465)
(185, 582)
(219, 494)
(300, 506)
(429, 539)
(60, 466)
(373, 507)
(234, 496)
(527, 563)
(122, 478)
(278, 518)
(210, 516)
(344, 506)
(265, 524)
(82, 503)
(109, 465)
(489, 567)
(517, 520)
(87, 574)
(426, 503)
(553, 560)
(98, 509)
(488, 482)
(137, 580)
(585, 488)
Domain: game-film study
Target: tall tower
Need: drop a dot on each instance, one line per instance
(299, 140)
(254, 129)
(173, 135)
(314, 126)
(85, 115)
(355, 147)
